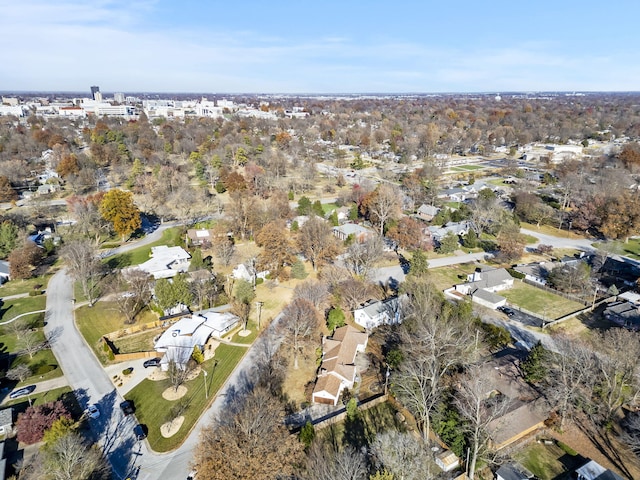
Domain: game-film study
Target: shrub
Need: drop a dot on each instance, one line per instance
(514, 274)
(307, 434)
(567, 449)
(35, 293)
(127, 371)
(298, 271)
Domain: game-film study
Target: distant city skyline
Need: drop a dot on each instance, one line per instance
(321, 47)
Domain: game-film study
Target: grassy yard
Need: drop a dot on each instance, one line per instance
(152, 410)
(16, 287)
(539, 301)
(102, 318)
(138, 342)
(170, 237)
(466, 168)
(12, 308)
(550, 230)
(328, 207)
(629, 249)
(446, 277)
(548, 462)
(38, 398)
(363, 430)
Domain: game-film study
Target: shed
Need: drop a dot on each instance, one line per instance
(447, 460)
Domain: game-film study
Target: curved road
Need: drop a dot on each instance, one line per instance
(91, 384)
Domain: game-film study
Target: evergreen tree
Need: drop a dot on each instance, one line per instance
(535, 366)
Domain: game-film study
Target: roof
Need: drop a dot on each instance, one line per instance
(514, 471)
(179, 340)
(162, 258)
(4, 267)
(389, 306)
(490, 278)
(594, 471)
(630, 296)
(447, 457)
(329, 384)
(428, 210)
(487, 296)
(351, 229)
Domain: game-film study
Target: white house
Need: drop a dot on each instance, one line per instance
(338, 369)
(482, 286)
(178, 341)
(165, 262)
(244, 272)
(384, 312)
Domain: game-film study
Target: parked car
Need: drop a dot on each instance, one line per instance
(192, 475)
(152, 362)
(127, 407)
(92, 411)
(510, 312)
(140, 432)
(22, 392)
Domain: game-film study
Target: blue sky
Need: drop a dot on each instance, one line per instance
(328, 46)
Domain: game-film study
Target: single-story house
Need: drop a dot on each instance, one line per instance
(453, 195)
(535, 272)
(6, 421)
(427, 212)
(179, 340)
(482, 286)
(447, 461)
(360, 234)
(165, 262)
(624, 314)
(594, 471)
(5, 271)
(376, 313)
(457, 228)
(338, 369)
(513, 471)
(202, 236)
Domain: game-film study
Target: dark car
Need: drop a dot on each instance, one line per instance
(152, 362)
(140, 431)
(510, 312)
(22, 392)
(127, 407)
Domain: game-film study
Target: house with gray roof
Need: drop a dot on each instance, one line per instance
(383, 312)
(457, 228)
(427, 212)
(482, 286)
(6, 421)
(360, 234)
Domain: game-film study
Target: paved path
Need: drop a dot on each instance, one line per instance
(22, 315)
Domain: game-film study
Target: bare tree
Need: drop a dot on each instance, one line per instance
(136, 295)
(300, 322)
(84, 267)
(571, 376)
(361, 257)
(31, 343)
(631, 432)
(71, 458)
(178, 373)
(317, 242)
(248, 440)
(353, 292)
(481, 409)
(328, 463)
(314, 291)
(402, 455)
(17, 328)
(19, 373)
(385, 203)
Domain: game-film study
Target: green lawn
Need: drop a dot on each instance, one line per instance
(629, 249)
(170, 237)
(446, 277)
(38, 398)
(152, 410)
(328, 207)
(17, 306)
(539, 301)
(253, 327)
(465, 168)
(95, 322)
(15, 287)
(548, 462)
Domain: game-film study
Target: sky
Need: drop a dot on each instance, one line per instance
(329, 46)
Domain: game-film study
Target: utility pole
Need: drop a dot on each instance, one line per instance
(206, 390)
(259, 305)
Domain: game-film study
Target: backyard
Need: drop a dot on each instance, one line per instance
(101, 319)
(153, 410)
(538, 301)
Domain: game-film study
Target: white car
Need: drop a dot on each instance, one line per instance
(93, 411)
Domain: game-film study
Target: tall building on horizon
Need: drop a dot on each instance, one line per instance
(94, 89)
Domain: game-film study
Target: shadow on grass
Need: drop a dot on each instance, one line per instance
(119, 261)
